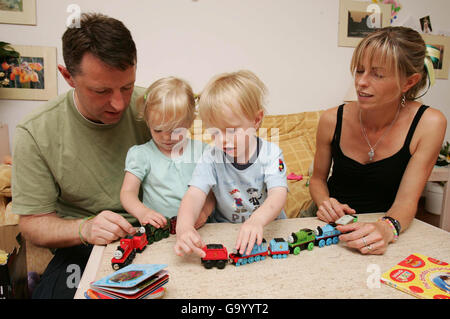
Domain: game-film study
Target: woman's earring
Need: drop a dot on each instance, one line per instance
(403, 100)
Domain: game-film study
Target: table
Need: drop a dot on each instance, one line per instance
(334, 271)
(442, 174)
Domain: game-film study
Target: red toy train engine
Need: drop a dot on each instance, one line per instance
(125, 253)
(216, 255)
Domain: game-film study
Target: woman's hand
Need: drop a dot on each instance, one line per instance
(368, 238)
(331, 210)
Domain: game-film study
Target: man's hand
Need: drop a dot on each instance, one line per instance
(105, 228)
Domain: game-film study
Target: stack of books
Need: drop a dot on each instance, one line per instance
(131, 282)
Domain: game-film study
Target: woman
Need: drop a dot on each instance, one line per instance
(381, 146)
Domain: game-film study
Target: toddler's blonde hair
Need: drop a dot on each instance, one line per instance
(167, 104)
(243, 92)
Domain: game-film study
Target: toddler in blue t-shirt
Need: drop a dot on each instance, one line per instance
(164, 165)
(246, 173)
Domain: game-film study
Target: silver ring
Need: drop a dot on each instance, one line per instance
(369, 247)
(364, 241)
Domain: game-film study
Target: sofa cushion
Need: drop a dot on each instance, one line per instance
(296, 134)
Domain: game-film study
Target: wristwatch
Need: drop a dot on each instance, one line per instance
(395, 222)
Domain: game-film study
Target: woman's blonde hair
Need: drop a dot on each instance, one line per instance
(167, 104)
(399, 48)
(243, 92)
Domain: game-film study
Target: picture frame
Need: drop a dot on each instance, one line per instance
(359, 18)
(32, 76)
(18, 12)
(442, 43)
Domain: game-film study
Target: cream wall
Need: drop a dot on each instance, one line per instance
(290, 44)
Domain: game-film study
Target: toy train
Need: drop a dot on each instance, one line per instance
(146, 235)
(304, 239)
(126, 251)
(156, 234)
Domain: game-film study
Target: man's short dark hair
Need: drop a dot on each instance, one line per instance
(106, 38)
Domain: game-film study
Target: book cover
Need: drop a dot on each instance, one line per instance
(129, 276)
(420, 276)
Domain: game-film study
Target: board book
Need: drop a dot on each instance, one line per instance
(420, 276)
(131, 282)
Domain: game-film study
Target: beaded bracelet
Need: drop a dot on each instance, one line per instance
(79, 230)
(393, 228)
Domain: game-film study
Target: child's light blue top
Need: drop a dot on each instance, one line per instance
(240, 189)
(164, 180)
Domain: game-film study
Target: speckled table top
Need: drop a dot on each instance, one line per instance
(334, 271)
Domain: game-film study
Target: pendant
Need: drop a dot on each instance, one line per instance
(371, 154)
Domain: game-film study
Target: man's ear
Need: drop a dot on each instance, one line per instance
(66, 75)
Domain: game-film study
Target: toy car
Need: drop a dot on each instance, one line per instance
(156, 234)
(278, 248)
(303, 239)
(126, 251)
(326, 235)
(259, 252)
(216, 255)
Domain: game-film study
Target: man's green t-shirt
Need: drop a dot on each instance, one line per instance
(66, 164)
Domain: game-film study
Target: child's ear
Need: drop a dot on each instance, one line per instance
(258, 119)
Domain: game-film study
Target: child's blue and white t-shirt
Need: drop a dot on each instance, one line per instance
(240, 189)
(164, 180)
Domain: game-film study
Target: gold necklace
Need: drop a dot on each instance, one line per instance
(371, 152)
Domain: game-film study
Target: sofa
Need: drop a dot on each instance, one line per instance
(294, 133)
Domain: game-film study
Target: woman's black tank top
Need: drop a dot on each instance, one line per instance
(372, 187)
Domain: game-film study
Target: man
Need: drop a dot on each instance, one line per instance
(69, 155)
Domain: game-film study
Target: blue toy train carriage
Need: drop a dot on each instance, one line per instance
(278, 248)
(259, 252)
(326, 235)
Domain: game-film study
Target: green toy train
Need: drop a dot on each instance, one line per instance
(156, 234)
(301, 240)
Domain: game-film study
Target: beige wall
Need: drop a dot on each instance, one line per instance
(290, 44)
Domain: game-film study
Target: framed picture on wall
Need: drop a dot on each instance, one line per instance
(18, 11)
(440, 54)
(358, 19)
(32, 76)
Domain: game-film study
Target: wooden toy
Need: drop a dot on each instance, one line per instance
(216, 255)
(126, 251)
(278, 248)
(326, 235)
(156, 234)
(303, 239)
(259, 252)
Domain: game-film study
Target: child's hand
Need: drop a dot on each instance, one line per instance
(189, 241)
(153, 218)
(251, 232)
